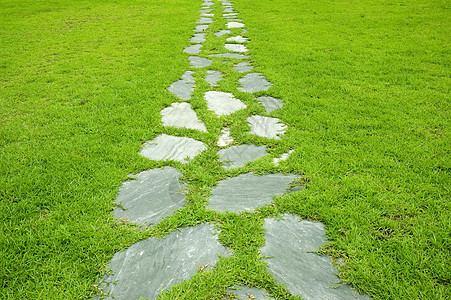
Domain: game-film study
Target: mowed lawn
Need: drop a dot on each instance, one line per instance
(366, 92)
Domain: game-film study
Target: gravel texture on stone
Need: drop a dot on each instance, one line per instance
(213, 77)
(181, 115)
(199, 62)
(243, 67)
(270, 103)
(230, 55)
(236, 47)
(222, 32)
(266, 127)
(225, 138)
(238, 156)
(194, 49)
(238, 39)
(247, 293)
(234, 25)
(254, 82)
(184, 87)
(198, 38)
(222, 103)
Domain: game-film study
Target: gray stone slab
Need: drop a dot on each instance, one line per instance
(230, 55)
(207, 15)
(244, 30)
(200, 28)
(225, 138)
(247, 192)
(208, 3)
(198, 38)
(238, 39)
(199, 62)
(238, 156)
(236, 47)
(222, 103)
(270, 103)
(266, 127)
(207, 10)
(243, 67)
(234, 25)
(213, 77)
(232, 19)
(154, 265)
(247, 293)
(154, 195)
(194, 49)
(181, 115)
(230, 15)
(227, 4)
(205, 20)
(284, 156)
(184, 87)
(228, 10)
(222, 32)
(254, 82)
(167, 147)
(288, 248)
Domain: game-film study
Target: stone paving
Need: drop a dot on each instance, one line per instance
(152, 266)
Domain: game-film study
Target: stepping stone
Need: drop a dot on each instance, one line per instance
(247, 293)
(154, 195)
(238, 39)
(198, 38)
(208, 3)
(270, 103)
(222, 103)
(230, 15)
(154, 265)
(181, 115)
(222, 32)
(246, 192)
(243, 67)
(244, 30)
(266, 127)
(184, 87)
(236, 47)
(207, 15)
(203, 20)
(254, 82)
(207, 10)
(213, 77)
(237, 20)
(283, 157)
(167, 147)
(199, 62)
(200, 28)
(235, 25)
(225, 138)
(230, 55)
(228, 10)
(288, 250)
(194, 49)
(238, 156)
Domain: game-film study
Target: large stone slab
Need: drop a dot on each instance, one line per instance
(194, 49)
(184, 87)
(213, 77)
(254, 82)
(230, 55)
(205, 20)
(243, 67)
(246, 192)
(238, 39)
(198, 38)
(199, 62)
(238, 156)
(200, 28)
(222, 32)
(154, 195)
(270, 103)
(222, 103)
(181, 115)
(236, 47)
(288, 250)
(234, 25)
(266, 127)
(225, 138)
(154, 265)
(167, 147)
(247, 293)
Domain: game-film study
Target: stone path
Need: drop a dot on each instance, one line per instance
(154, 265)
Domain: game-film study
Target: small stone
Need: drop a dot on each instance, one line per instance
(236, 47)
(222, 103)
(198, 38)
(222, 32)
(184, 87)
(270, 103)
(207, 10)
(230, 15)
(266, 127)
(231, 19)
(225, 138)
(230, 55)
(238, 39)
(181, 115)
(244, 30)
(235, 25)
(207, 15)
(200, 28)
(228, 10)
(247, 293)
(199, 62)
(283, 157)
(194, 49)
(243, 67)
(213, 77)
(238, 156)
(208, 3)
(204, 20)
(254, 82)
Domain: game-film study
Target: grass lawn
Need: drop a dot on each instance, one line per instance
(366, 92)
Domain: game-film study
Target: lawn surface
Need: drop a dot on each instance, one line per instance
(366, 92)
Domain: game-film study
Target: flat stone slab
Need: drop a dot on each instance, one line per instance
(198, 38)
(254, 82)
(270, 103)
(167, 147)
(230, 14)
(266, 127)
(238, 39)
(207, 10)
(234, 25)
(181, 115)
(213, 77)
(199, 62)
(208, 3)
(236, 47)
(205, 20)
(247, 293)
(243, 67)
(200, 28)
(194, 49)
(247, 192)
(154, 265)
(285, 156)
(225, 138)
(229, 55)
(207, 15)
(154, 195)
(222, 32)
(228, 10)
(184, 87)
(222, 103)
(288, 247)
(238, 156)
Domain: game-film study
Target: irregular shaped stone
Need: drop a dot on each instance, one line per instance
(288, 250)
(238, 39)
(208, 3)
(222, 32)
(270, 103)
(283, 157)
(243, 67)
(236, 47)
(266, 127)
(225, 138)
(244, 30)
(181, 115)
(234, 25)
(238, 156)
(207, 10)
(200, 28)
(207, 15)
(154, 265)
(254, 82)
(246, 192)
(230, 55)
(227, 4)
(184, 87)
(199, 62)
(167, 147)
(154, 195)
(229, 15)
(228, 10)
(247, 293)
(198, 38)
(222, 103)
(204, 20)
(233, 19)
(213, 77)
(194, 49)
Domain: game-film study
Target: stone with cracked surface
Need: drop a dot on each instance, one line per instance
(238, 156)
(181, 115)
(289, 251)
(266, 127)
(234, 25)
(284, 156)
(194, 49)
(222, 32)
(184, 87)
(230, 55)
(167, 147)
(225, 138)
(199, 62)
(205, 20)
(238, 39)
(236, 47)
(200, 28)
(247, 192)
(254, 82)
(270, 103)
(154, 265)
(247, 293)
(152, 196)
(222, 103)
(243, 67)
(213, 77)
(198, 38)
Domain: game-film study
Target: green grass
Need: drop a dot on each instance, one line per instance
(366, 89)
